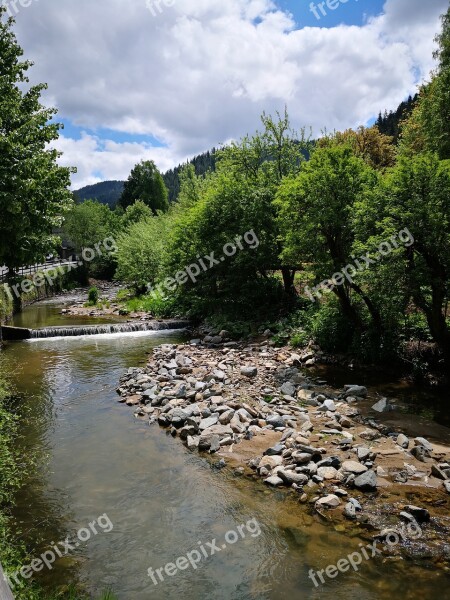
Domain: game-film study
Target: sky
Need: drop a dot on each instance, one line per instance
(168, 79)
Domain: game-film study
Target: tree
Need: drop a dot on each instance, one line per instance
(315, 210)
(428, 127)
(34, 191)
(141, 252)
(375, 148)
(145, 183)
(417, 196)
(134, 213)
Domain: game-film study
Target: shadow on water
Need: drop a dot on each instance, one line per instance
(161, 499)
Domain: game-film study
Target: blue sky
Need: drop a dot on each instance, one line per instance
(352, 12)
(131, 83)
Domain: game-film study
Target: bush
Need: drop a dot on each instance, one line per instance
(93, 296)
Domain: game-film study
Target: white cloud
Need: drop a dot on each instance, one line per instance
(202, 71)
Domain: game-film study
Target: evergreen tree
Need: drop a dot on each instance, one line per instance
(145, 183)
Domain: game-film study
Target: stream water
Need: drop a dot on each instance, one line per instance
(95, 458)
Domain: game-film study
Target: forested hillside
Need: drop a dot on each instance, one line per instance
(106, 192)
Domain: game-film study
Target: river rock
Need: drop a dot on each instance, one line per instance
(403, 441)
(420, 441)
(208, 422)
(351, 466)
(440, 472)
(209, 441)
(327, 473)
(355, 390)
(447, 486)
(178, 417)
(287, 389)
(363, 453)
(274, 481)
(270, 462)
(350, 511)
(382, 406)
(249, 371)
(275, 421)
(275, 450)
(366, 482)
(301, 458)
(291, 477)
(331, 501)
(225, 418)
(421, 515)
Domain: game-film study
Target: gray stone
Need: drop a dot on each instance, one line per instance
(367, 481)
(249, 371)
(327, 473)
(275, 421)
(208, 422)
(350, 511)
(420, 441)
(447, 486)
(356, 390)
(363, 453)
(331, 501)
(270, 462)
(351, 466)
(274, 481)
(275, 450)
(420, 453)
(287, 389)
(330, 405)
(225, 418)
(382, 406)
(209, 441)
(403, 441)
(421, 515)
(291, 477)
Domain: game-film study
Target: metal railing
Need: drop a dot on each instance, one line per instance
(30, 269)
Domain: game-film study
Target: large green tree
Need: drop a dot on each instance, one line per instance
(34, 191)
(145, 183)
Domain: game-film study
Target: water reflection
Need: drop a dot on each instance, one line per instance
(163, 500)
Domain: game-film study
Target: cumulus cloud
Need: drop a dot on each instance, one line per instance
(200, 72)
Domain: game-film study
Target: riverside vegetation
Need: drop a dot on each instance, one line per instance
(315, 207)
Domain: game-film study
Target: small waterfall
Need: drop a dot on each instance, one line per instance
(77, 331)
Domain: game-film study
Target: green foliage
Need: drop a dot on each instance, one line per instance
(34, 191)
(87, 226)
(93, 296)
(136, 212)
(157, 305)
(141, 252)
(145, 183)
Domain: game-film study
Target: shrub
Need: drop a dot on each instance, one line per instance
(93, 296)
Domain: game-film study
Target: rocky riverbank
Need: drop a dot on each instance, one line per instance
(257, 409)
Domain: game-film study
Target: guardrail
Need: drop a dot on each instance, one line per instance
(28, 270)
(5, 590)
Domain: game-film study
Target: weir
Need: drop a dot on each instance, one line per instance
(13, 333)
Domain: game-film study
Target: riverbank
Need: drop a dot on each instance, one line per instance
(258, 411)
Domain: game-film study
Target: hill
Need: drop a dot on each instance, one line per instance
(106, 192)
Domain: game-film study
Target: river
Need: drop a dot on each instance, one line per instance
(95, 458)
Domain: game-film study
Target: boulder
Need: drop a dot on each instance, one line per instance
(403, 441)
(249, 372)
(287, 389)
(351, 466)
(366, 482)
(327, 473)
(420, 441)
(274, 481)
(330, 501)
